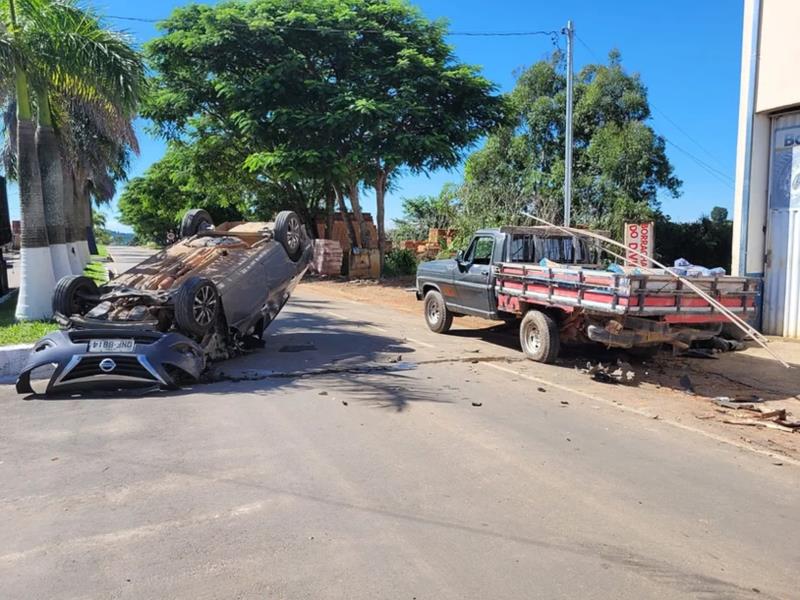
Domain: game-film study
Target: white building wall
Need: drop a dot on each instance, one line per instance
(769, 87)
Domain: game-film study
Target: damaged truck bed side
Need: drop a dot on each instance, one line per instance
(204, 298)
(552, 282)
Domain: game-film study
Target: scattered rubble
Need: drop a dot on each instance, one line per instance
(623, 373)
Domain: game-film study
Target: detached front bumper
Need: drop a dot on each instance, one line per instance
(157, 359)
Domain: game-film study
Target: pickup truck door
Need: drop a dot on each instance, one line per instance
(473, 278)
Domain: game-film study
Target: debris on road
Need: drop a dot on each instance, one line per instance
(477, 404)
(686, 384)
(762, 417)
(623, 373)
(540, 389)
(564, 403)
(344, 402)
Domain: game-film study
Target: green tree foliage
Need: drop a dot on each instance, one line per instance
(620, 164)
(707, 241)
(423, 213)
(400, 263)
(154, 203)
(318, 96)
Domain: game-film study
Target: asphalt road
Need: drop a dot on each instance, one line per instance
(359, 456)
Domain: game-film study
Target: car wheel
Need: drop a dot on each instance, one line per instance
(74, 295)
(289, 232)
(196, 306)
(437, 316)
(194, 221)
(538, 336)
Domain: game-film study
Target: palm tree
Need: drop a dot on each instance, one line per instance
(97, 141)
(49, 47)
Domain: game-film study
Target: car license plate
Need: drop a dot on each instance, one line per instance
(111, 345)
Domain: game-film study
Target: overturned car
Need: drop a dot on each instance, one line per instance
(207, 297)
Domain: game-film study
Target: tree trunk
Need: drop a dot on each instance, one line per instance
(37, 280)
(380, 193)
(363, 240)
(351, 232)
(90, 239)
(330, 199)
(81, 198)
(6, 235)
(70, 220)
(52, 189)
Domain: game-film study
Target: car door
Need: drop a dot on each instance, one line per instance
(474, 277)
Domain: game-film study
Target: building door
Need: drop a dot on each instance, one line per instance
(782, 257)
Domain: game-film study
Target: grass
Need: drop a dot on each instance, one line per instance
(22, 332)
(25, 332)
(97, 271)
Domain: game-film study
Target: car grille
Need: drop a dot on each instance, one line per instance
(126, 366)
(80, 337)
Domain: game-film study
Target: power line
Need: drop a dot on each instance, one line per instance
(720, 175)
(723, 177)
(688, 136)
(553, 34)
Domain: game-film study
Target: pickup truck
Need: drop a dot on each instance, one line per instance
(552, 283)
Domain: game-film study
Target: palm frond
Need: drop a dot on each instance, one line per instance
(71, 51)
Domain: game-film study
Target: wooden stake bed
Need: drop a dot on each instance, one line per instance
(660, 296)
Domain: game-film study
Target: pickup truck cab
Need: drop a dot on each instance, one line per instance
(552, 282)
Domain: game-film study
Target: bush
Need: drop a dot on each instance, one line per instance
(399, 262)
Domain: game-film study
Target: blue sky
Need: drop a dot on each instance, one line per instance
(687, 52)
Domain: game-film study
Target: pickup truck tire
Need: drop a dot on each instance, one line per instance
(437, 316)
(538, 336)
(196, 306)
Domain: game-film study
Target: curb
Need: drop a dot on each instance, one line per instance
(12, 359)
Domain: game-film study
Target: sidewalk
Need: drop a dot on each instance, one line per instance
(123, 258)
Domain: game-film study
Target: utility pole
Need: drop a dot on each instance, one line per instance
(569, 30)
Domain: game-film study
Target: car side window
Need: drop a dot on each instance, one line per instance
(480, 251)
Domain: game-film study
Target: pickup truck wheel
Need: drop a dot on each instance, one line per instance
(194, 221)
(74, 295)
(538, 336)
(289, 232)
(438, 318)
(196, 306)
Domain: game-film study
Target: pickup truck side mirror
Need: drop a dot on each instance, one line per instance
(460, 256)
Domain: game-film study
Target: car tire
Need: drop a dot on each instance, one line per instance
(437, 316)
(289, 232)
(71, 295)
(194, 221)
(197, 306)
(538, 336)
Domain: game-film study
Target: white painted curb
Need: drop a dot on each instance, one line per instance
(12, 359)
